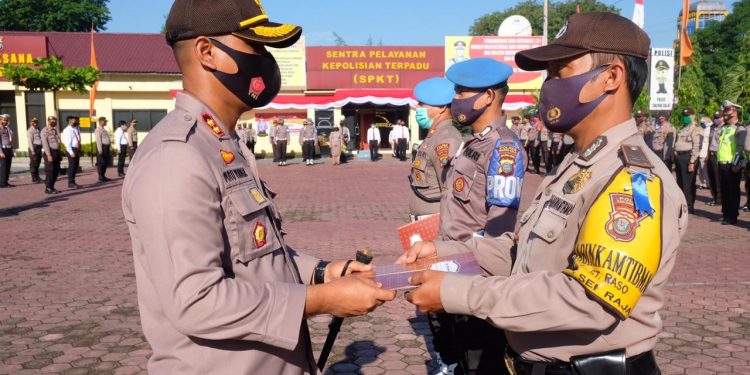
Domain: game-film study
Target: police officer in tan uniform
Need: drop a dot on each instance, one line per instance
(281, 139)
(308, 140)
(52, 157)
(579, 286)
(35, 150)
(6, 151)
(484, 183)
(687, 149)
(430, 166)
(133, 137)
(101, 135)
(219, 291)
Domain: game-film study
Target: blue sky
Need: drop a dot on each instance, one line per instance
(395, 22)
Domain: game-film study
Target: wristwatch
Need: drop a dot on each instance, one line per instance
(319, 275)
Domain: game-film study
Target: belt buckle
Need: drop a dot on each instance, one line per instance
(509, 364)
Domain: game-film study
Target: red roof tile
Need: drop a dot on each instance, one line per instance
(115, 53)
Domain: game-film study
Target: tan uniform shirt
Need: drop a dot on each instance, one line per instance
(544, 134)
(132, 136)
(6, 137)
(484, 185)
(252, 135)
(102, 138)
(218, 290)
(50, 140)
(281, 132)
(307, 133)
(525, 129)
(690, 138)
(336, 143)
(34, 138)
(430, 167)
(548, 315)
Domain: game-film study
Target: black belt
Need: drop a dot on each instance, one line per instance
(683, 152)
(641, 364)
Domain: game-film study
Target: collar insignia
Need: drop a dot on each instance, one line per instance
(594, 148)
(212, 124)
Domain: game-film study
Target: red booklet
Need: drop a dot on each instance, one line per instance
(422, 230)
(396, 276)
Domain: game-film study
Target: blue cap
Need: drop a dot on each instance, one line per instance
(436, 91)
(479, 73)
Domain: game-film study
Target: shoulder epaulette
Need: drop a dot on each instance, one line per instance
(178, 127)
(635, 157)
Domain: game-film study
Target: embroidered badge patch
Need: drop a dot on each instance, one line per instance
(507, 159)
(417, 163)
(227, 156)
(257, 86)
(418, 176)
(459, 184)
(577, 182)
(212, 124)
(623, 220)
(259, 234)
(257, 195)
(443, 152)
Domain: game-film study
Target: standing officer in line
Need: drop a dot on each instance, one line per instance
(52, 158)
(373, 139)
(516, 125)
(281, 137)
(121, 140)
(346, 137)
(534, 145)
(219, 291)
(545, 144)
(560, 287)
(6, 155)
(71, 137)
(525, 128)
(402, 139)
(252, 137)
(644, 126)
(308, 140)
(133, 137)
(35, 150)
(687, 150)
(713, 163)
(102, 148)
(730, 159)
(661, 133)
(486, 180)
(272, 138)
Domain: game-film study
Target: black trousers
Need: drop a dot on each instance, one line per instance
(401, 149)
(685, 179)
(5, 166)
(536, 157)
(747, 185)
(545, 155)
(121, 159)
(308, 150)
(101, 161)
(281, 150)
(712, 168)
(250, 146)
(729, 184)
(35, 161)
(373, 150)
(73, 165)
(471, 342)
(566, 149)
(555, 157)
(52, 168)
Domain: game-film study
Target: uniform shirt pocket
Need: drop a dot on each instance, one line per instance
(252, 233)
(418, 172)
(463, 180)
(549, 225)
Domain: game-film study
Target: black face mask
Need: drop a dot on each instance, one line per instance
(257, 80)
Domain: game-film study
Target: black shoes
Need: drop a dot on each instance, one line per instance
(714, 203)
(746, 208)
(50, 191)
(729, 222)
(121, 175)
(104, 179)
(37, 180)
(74, 186)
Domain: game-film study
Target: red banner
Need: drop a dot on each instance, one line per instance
(18, 50)
(372, 67)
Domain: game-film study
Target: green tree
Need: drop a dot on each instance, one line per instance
(49, 74)
(690, 91)
(533, 10)
(53, 15)
(736, 87)
(643, 101)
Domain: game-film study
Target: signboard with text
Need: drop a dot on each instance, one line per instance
(17, 50)
(501, 48)
(371, 67)
(661, 87)
(291, 62)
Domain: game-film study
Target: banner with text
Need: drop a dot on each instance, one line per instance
(371, 67)
(19, 50)
(291, 62)
(500, 48)
(661, 87)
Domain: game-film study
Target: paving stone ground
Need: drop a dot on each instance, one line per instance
(67, 289)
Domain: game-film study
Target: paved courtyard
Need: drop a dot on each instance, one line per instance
(67, 288)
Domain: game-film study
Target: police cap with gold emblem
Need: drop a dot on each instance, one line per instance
(589, 32)
(479, 73)
(245, 19)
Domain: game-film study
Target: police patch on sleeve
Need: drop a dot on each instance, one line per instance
(618, 250)
(505, 175)
(443, 153)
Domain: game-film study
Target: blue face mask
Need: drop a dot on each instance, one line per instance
(423, 119)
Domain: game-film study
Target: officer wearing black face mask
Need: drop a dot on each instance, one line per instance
(218, 290)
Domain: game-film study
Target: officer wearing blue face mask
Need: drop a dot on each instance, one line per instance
(428, 170)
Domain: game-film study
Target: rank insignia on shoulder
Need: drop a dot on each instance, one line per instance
(259, 234)
(577, 181)
(257, 195)
(594, 148)
(459, 184)
(212, 124)
(634, 156)
(227, 156)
